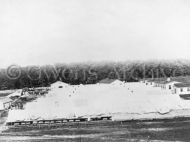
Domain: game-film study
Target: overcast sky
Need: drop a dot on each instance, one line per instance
(65, 31)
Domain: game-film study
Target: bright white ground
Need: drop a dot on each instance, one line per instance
(122, 101)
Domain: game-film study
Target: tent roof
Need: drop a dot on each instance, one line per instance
(117, 82)
(59, 83)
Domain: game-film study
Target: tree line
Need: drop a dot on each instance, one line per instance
(16, 77)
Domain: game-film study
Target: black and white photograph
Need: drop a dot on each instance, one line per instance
(94, 71)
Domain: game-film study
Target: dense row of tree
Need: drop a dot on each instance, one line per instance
(15, 77)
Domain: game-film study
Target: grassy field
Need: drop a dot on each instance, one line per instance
(157, 130)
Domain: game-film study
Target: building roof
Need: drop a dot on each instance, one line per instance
(182, 85)
(107, 81)
(17, 93)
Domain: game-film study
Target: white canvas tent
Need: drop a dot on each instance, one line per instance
(117, 82)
